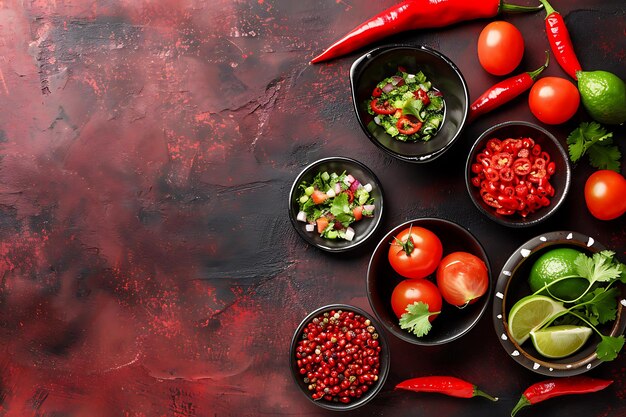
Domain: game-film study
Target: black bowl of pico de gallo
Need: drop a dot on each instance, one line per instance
(336, 204)
(411, 101)
(517, 174)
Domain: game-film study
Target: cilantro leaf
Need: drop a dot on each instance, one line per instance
(609, 347)
(605, 157)
(601, 305)
(599, 268)
(593, 139)
(416, 319)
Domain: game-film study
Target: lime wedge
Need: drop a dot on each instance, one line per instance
(530, 313)
(560, 341)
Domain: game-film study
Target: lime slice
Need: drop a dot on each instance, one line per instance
(530, 313)
(560, 341)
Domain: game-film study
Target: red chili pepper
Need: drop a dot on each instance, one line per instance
(447, 385)
(551, 388)
(505, 91)
(416, 14)
(560, 41)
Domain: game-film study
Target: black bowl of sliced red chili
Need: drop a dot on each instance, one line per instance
(339, 357)
(517, 174)
(441, 117)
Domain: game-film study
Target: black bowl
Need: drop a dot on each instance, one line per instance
(384, 360)
(364, 228)
(380, 63)
(453, 322)
(512, 285)
(560, 180)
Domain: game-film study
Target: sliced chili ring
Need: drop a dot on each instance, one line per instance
(501, 160)
(523, 153)
(476, 181)
(490, 200)
(494, 145)
(506, 174)
(545, 155)
(522, 166)
(484, 159)
(505, 211)
(385, 108)
(537, 175)
(539, 163)
(521, 190)
(477, 168)
(536, 150)
(491, 174)
(408, 124)
(551, 168)
(528, 143)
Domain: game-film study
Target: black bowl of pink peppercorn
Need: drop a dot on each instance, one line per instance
(339, 357)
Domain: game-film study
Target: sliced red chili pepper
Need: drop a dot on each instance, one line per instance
(489, 186)
(521, 190)
(476, 181)
(491, 174)
(377, 92)
(539, 163)
(501, 160)
(536, 175)
(477, 168)
(408, 124)
(545, 155)
(505, 211)
(508, 202)
(528, 143)
(490, 199)
(494, 145)
(551, 168)
(422, 95)
(522, 166)
(385, 108)
(536, 150)
(506, 174)
(523, 153)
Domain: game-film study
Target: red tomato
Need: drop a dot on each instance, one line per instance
(500, 48)
(462, 278)
(415, 252)
(319, 197)
(322, 224)
(553, 100)
(605, 194)
(412, 291)
(382, 108)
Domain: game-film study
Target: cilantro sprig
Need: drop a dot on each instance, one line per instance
(594, 140)
(416, 319)
(599, 302)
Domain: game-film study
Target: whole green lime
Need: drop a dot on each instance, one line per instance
(555, 264)
(604, 96)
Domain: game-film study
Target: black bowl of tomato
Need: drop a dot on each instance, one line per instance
(444, 275)
(420, 112)
(517, 174)
(339, 357)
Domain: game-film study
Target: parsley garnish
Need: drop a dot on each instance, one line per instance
(594, 140)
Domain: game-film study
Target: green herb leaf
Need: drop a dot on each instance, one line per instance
(416, 320)
(413, 107)
(599, 268)
(601, 305)
(609, 347)
(594, 139)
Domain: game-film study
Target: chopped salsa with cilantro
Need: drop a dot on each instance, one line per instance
(407, 106)
(332, 202)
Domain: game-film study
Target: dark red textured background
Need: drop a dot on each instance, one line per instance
(147, 263)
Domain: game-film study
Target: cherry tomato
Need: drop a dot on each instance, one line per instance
(407, 125)
(422, 95)
(553, 100)
(412, 291)
(605, 194)
(500, 48)
(462, 278)
(382, 108)
(415, 252)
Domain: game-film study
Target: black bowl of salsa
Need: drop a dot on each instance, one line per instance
(444, 76)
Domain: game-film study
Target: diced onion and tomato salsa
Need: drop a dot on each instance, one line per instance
(332, 202)
(407, 106)
(513, 176)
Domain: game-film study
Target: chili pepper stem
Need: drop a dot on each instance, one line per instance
(479, 393)
(523, 402)
(535, 73)
(514, 8)
(548, 7)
